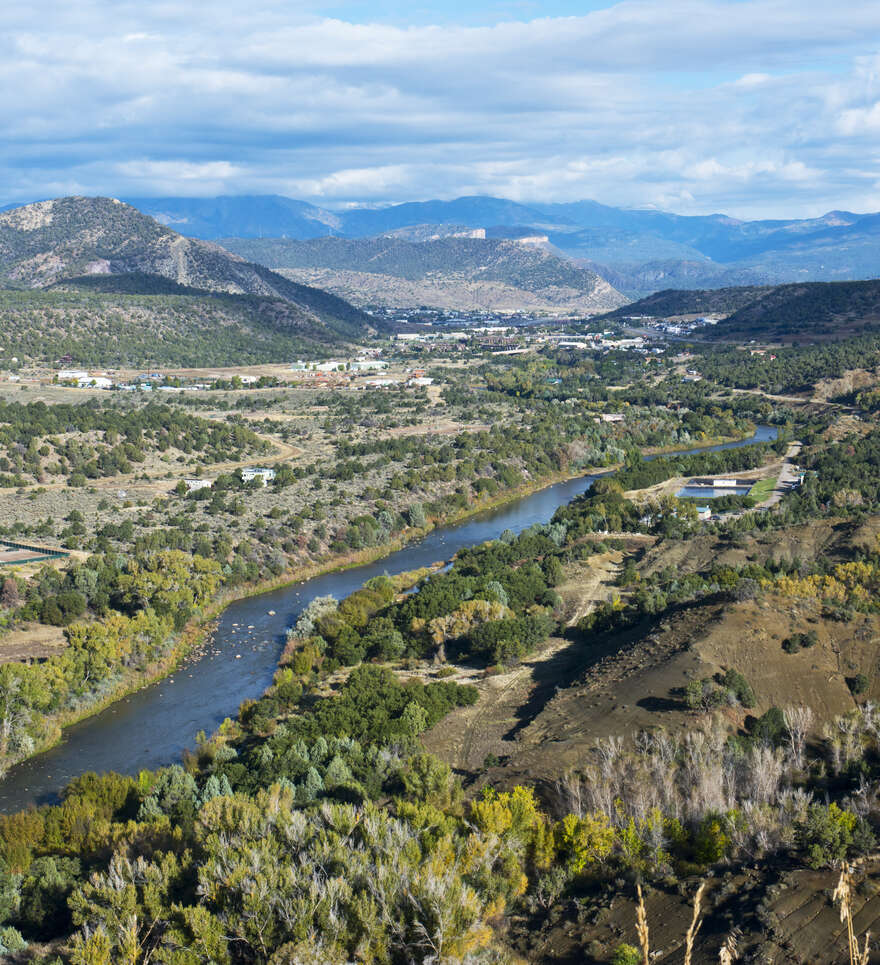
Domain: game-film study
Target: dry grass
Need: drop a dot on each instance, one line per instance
(843, 894)
(727, 954)
(642, 927)
(694, 927)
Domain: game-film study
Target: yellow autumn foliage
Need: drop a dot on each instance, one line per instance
(471, 614)
(856, 583)
(583, 841)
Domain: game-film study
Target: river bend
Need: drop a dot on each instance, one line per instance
(152, 727)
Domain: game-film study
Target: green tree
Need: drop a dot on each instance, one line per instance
(826, 834)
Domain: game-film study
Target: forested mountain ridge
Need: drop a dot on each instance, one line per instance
(268, 216)
(676, 301)
(452, 272)
(807, 311)
(791, 313)
(140, 320)
(52, 241)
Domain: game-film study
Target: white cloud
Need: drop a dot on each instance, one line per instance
(757, 106)
(857, 121)
(753, 80)
(172, 171)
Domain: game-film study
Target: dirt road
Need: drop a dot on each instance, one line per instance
(788, 476)
(509, 701)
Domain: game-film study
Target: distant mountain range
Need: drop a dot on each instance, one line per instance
(54, 242)
(637, 251)
(457, 254)
(450, 272)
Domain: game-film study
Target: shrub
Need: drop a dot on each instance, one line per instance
(693, 694)
(11, 941)
(737, 683)
(711, 841)
(827, 834)
(769, 727)
(416, 516)
(746, 589)
(626, 955)
(43, 911)
(798, 641)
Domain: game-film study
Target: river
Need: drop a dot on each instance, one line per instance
(152, 727)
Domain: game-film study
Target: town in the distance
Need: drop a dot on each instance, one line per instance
(446, 586)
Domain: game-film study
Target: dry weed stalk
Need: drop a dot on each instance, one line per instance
(728, 949)
(843, 894)
(695, 925)
(727, 955)
(642, 927)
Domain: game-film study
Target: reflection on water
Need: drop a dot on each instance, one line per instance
(707, 492)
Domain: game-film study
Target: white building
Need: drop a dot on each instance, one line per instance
(250, 473)
(94, 382)
(623, 343)
(193, 485)
(71, 375)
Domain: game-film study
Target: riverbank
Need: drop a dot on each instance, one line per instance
(191, 640)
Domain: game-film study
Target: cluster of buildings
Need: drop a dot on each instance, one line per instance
(675, 325)
(334, 371)
(260, 474)
(85, 380)
(323, 373)
(360, 364)
(449, 317)
(146, 382)
(512, 339)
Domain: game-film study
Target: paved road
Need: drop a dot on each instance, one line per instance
(788, 475)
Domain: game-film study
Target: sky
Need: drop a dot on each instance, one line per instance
(754, 108)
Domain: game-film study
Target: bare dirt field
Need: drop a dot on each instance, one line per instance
(785, 917)
(33, 642)
(543, 717)
(468, 735)
(851, 381)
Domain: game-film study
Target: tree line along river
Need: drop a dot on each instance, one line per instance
(152, 727)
